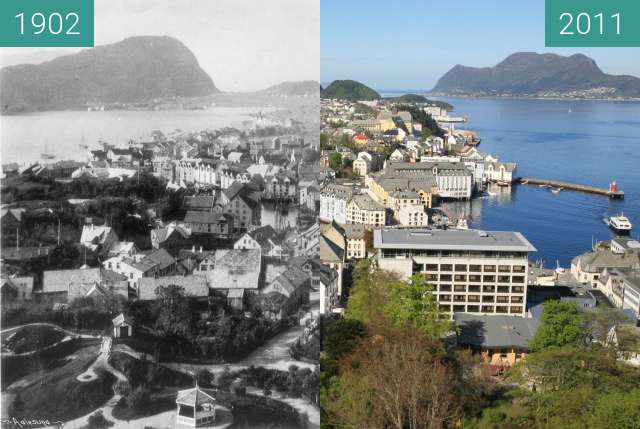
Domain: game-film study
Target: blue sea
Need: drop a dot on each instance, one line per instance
(587, 142)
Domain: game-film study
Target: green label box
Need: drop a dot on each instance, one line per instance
(592, 23)
(45, 23)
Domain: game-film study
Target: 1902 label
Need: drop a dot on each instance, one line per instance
(44, 23)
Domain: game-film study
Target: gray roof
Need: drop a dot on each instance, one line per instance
(60, 280)
(495, 331)
(451, 239)
(194, 286)
(365, 202)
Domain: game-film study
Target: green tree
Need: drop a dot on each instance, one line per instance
(341, 337)
(335, 161)
(620, 410)
(413, 304)
(561, 324)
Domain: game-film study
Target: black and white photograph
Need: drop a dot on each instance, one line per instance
(160, 236)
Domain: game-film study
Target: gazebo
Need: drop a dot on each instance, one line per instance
(195, 407)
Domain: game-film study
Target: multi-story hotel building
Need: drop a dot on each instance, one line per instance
(471, 271)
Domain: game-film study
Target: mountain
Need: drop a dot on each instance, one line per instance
(134, 70)
(349, 90)
(529, 73)
(299, 88)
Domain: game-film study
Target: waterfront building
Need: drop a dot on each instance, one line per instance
(454, 180)
(500, 172)
(211, 223)
(588, 267)
(471, 271)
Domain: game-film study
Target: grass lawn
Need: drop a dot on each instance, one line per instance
(32, 338)
(160, 400)
(55, 394)
(137, 370)
(17, 367)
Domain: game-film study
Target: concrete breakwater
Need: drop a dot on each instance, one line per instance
(608, 192)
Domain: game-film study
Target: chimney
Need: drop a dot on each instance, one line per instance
(200, 249)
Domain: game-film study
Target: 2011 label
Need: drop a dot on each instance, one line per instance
(582, 23)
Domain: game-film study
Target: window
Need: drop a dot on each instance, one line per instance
(446, 267)
(431, 267)
(516, 309)
(474, 278)
(517, 279)
(502, 309)
(489, 268)
(516, 299)
(445, 277)
(473, 298)
(475, 268)
(459, 288)
(458, 308)
(503, 279)
(488, 279)
(459, 298)
(445, 298)
(445, 308)
(503, 289)
(474, 288)
(502, 299)
(517, 289)
(488, 289)
(461, 268)
(473, 308)
(487, 308)
(445, 288)
(519, 268)
(488, 298)
(504, 269)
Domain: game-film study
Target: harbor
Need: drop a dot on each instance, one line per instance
(611, 192)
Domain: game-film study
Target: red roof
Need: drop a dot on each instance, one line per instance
(360, 136)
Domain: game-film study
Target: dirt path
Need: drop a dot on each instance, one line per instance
(101, 362)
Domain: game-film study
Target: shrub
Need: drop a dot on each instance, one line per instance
(138, 399)
(204, 378)
(98, 421)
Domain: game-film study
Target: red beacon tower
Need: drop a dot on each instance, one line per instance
(613, 187)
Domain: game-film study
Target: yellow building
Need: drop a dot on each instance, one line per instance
(383, 186)
(362, 209)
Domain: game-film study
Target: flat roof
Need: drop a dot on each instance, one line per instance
(451, 239)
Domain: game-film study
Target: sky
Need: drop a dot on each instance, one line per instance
(244, 45)
(410, 44)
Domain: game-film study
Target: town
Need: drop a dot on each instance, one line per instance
(405, 267)
(158, 275)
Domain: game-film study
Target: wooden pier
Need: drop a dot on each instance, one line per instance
(617, 194)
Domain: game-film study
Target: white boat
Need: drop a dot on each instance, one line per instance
(620, 224)
(556, 190)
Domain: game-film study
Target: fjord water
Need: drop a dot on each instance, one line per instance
(25, 137)
(586, 142)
